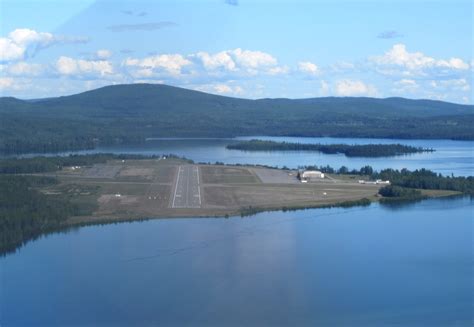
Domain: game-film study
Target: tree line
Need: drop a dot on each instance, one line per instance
(355, 150)
(43, 164)
(416, 179)
(26, 213)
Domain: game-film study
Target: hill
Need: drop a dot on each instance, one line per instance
(132, 113)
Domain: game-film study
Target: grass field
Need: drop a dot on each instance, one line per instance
(225, 175)
(148, 188)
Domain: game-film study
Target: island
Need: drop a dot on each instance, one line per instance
(355, 150)
(131, 114)
(46, 194)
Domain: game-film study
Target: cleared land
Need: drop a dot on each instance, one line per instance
(135, 189)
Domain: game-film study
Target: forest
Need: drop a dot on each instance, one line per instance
(129, 114)
(355, 150)
(26, 213)
(416, 179)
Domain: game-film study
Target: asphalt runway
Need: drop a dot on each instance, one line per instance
(187, 193)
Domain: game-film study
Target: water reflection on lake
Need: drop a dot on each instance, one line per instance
(373, 266)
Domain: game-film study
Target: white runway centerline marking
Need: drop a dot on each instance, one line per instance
(187, 193)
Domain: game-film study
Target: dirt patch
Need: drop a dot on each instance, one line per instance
(101, 171)
(276, 176)
(223, 175)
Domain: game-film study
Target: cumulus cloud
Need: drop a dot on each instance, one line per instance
(308, 67)
(79, 67)
(22, 42)
(399, 61)
(10, 51)
(239, 60)
(354, 88)
(389, 35)
(221, 59)
(140, 27)
(147, 67)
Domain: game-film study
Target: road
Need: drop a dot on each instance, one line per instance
(187, 193)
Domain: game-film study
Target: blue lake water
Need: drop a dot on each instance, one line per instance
(410, 265)
(450, 157)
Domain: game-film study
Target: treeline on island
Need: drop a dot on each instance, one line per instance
(129, 114)
(354, 150)
(27, 211)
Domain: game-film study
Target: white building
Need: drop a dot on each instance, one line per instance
(309, 175)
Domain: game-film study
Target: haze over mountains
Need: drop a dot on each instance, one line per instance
(131, 113)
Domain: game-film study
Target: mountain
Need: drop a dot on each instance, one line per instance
(132, 113)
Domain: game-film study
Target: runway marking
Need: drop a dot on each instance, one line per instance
(176, 188)
(187, 192)
(198, 186)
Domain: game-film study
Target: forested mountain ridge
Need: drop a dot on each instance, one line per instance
(132, 113)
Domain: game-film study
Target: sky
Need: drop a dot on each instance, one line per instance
(242, 48)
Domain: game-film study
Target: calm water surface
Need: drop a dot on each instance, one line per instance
(376, 266)
(450, 157)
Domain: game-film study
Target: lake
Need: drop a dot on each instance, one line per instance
(450, 157)
(409, 265)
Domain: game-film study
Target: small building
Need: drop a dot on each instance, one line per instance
(309, 175)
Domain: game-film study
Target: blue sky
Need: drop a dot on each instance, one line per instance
(252, 49)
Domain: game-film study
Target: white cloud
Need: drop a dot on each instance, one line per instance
(10, 51)
(238, 60)
(23, 68)
(21, 41)
(354, 88)
(103, 54)
(25, 36)
(70, 66)
(170, 63)
(219, 60)
(253, 59)
(399, 61)
(221, 88)
(308, 68)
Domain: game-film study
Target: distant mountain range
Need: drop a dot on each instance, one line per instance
(131, 113)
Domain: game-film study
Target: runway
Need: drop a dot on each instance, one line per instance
(187, 193)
